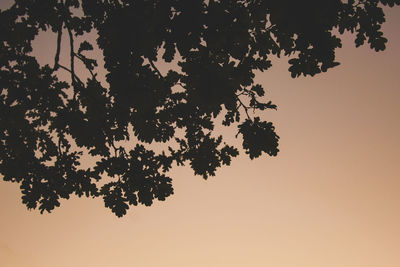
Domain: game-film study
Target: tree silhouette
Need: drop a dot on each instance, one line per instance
(49, 124)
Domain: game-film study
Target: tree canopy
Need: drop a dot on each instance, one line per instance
(49, 124)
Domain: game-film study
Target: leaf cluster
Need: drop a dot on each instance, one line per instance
(47, 124)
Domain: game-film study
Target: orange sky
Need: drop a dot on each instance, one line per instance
(331, 197)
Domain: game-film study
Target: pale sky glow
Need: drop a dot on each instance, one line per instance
(331, 198)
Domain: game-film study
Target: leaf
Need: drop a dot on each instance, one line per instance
(258, 137)
(85, 46)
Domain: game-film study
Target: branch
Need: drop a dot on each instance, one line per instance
(57, 57)
(244, 106)
(59, 144)
(155, 68)
(75, 76)
(111, 143)
(181, 85)
(72, 54)
(83, 61)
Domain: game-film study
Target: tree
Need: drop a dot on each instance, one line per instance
(48, 124)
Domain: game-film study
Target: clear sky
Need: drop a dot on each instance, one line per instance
(330, 199)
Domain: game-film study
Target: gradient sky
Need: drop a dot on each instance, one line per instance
(331, 197)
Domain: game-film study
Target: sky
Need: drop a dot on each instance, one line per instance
(330, 198)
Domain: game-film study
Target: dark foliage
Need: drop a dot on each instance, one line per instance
(47, 124)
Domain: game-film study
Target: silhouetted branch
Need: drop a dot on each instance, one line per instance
(72, 74)
(155, 68)
(57, 57)
(244, 107)
(83, 61)
(72, 54)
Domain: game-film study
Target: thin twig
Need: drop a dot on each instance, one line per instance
(76, 77)
(59, 144)
(155, 68)
(181, 85)
(111, 142)
(244, 106)
(81, 59)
